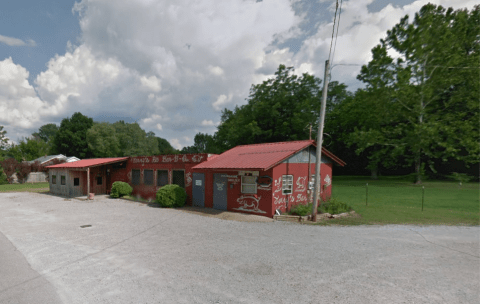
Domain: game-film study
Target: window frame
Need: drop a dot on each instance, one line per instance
(248, 184)
(99, 178)
(139, 177)
(287, 180)
(54, 179)
(76, 179)
(63, 180)
(153, 177)
(158, 180)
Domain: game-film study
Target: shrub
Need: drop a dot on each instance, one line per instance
(120, 189)
(301, 210)
(171, 196)
(334, 206)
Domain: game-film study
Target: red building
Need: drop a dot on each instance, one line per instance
(146, 174)
(262, 178)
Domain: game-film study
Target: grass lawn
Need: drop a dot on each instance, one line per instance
(396, 200)
(37, 187)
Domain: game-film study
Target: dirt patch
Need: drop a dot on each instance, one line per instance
(226, 215)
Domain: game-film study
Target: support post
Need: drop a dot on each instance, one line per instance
(319, 142)
(88, 183)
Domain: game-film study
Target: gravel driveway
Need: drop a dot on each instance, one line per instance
(133, 253)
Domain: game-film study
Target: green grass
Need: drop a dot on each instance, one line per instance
(396, 200)
(37, 187)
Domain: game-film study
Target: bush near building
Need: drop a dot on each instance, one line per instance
(170, 196)
(120, 189)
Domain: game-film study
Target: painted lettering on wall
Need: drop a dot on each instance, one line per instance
(279, 200)
(249, 203)
(142, 160)
(197, 158)
(278, 185)
(301, 184)
(301, 198)
(167, 159)
(188, 176)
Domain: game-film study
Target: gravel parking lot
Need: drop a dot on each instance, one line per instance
(133, 253)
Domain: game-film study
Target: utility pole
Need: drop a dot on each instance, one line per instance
(317, 188)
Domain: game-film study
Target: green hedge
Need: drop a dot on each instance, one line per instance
(120, 189)
(170, 196)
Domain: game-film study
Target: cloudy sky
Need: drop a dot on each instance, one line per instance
(172, 65)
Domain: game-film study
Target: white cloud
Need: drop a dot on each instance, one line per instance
(10, 41)
(20, 107)
(217, 71)
(151, 83)
(221, 102)
(207, 123)
(175, 142)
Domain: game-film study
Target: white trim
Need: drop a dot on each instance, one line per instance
(287, 182)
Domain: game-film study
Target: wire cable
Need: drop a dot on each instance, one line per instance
(336, 36)
(333, 31)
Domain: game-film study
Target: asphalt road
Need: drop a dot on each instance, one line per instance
(133, 253)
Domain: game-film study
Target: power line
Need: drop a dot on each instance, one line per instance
(336, 36)
(333, 31)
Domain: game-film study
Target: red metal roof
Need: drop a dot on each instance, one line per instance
(85, 163)
(260, 156)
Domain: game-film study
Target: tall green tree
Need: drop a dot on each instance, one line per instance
(279, 109)
(203, 143)
(164, 147)
(429, 94)
(102, 140)
(46, 132)
(133, 140)
(71, 138)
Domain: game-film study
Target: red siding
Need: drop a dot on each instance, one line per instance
(268, 198)
(161, 162)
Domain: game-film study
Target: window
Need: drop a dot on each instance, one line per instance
(148, 177)
(162, 178)
(287, 184)
(178, 178)
(54, 179)
(135, 177)
(76, 181)
(62, 179)
(248, 184)
(99, 180)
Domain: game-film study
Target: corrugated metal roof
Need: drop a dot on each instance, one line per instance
(258, 156)
(85, 163)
